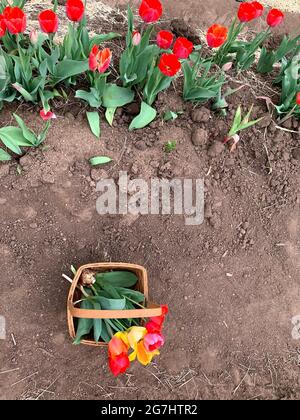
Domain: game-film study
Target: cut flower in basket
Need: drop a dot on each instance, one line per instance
(108, 307)
(140, 343)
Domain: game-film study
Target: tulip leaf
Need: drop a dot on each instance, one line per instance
(98, 39)
(115, 96)
(104, 333)
(117, 278)
(27, 133)
(4, 156)
(109, 304)
(90, 97)
(84, 326)
(132, 294)
(68, 68)
(145, 117)
(97, 323)
(100, 160)
(109, 115)
(94, 122)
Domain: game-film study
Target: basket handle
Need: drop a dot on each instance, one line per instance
(152, 311)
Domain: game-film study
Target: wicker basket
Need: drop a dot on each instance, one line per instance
(75, 294)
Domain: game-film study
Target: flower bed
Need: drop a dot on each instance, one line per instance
(38, 69)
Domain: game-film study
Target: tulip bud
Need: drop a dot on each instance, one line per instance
(34, 36)
(87, 278)
(227, 66)
(136, 38)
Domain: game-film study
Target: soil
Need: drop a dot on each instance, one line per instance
(232, 283)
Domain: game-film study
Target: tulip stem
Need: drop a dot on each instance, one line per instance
(288, 116)
(132, 301)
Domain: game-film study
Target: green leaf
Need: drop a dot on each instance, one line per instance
(104, 333)
(90, 97)
(115, 96)
(98, 39)
(99, 160)
(27, 133)
(68, 68)
(170, 115)
(110, 304)
(109, 115)
(84, 326)
(26, 95)
(117, 278)
(94, 122)
(97, 323)
(132, 294)
(170, 146)
(4, 156)
(145, 117)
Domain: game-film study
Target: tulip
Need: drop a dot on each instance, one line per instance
(150, 10)
(155, 324)
(247, 12)
(15, 20)
(216, 35)
(144, 357)
(274, 18)
(47, 115)
(136, 38)
(34, 36)
(169, 65)
(75, 10)
(153, 341)
(183, 48)
(119, 364)
(164, 39)
(298, 98)
(2, 26)
(100, 60)
(48, 21)
(117, 347)
(258, 7)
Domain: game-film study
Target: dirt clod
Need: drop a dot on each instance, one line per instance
(199, 136)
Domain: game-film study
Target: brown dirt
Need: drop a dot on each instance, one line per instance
(232, 284)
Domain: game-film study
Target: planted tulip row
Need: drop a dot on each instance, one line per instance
(37, 68)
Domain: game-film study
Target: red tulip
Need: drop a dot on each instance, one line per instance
(48, 21)
(119, 364)
(247, 12)
(169, 65)
(2, 26)
(15, 20)
(136, 38)
(274, 18)
(153, 341)
(216, 35)
(75, 10)
(156, 322)
(183, 48)
(164, 39)
(259, 8)
(298, 98)
(117, 347)
(47, 115)
(150, 10)
(100, 60)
